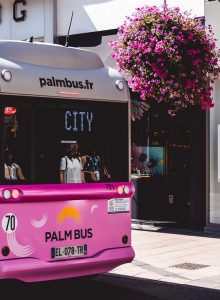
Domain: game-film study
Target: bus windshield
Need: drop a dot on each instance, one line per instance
(37, 133)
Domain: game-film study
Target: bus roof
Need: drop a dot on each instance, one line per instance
(51, 70)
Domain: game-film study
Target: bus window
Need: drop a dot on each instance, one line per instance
(39, 143)
(17, 137)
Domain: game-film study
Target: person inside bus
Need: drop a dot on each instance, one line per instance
(94, 168)
(13, 172)
(71, 169)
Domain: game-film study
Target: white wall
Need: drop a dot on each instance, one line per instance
(89, 16)
(104, 15)
(212, 13)
(99, 15)
(214, 206)
(39, 20)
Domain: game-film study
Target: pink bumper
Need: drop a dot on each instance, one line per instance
(31, 269)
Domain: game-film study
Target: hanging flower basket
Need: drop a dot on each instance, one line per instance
(168, 57)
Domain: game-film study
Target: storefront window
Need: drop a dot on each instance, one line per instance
(160, 165)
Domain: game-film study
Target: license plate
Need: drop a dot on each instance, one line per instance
(70, 251)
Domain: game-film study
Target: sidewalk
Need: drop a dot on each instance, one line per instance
(175, 256)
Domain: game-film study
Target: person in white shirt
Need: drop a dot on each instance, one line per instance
(13, 172)
(71, 169)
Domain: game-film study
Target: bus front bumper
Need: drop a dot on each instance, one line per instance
(32, 270)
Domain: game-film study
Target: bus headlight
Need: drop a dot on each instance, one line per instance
(120, 190)
(123, 189)
(6, 194)
(119, 84)
(15, 194)
(6, 75)
(126, 189)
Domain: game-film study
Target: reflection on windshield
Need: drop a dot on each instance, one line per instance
(65, 142)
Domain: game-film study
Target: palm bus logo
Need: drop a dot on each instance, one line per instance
(68, 212)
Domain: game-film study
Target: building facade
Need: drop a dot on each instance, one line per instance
(188, 170)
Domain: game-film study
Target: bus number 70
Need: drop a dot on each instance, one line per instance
(9, 223)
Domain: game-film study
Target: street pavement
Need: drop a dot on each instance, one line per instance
(170, 264)
(172, 255)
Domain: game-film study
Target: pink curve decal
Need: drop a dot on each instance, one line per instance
(39, 223)
(95, 206)
(18, 249)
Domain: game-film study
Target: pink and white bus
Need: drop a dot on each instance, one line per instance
(51, 95)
